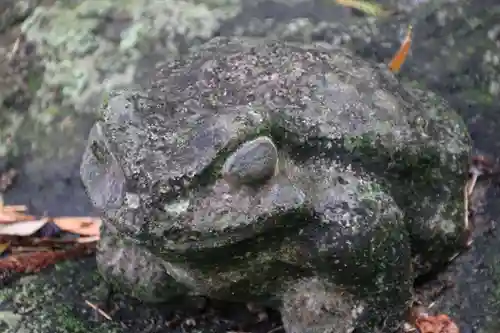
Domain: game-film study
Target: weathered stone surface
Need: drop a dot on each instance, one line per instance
(13, 12)
(451, 54)
(312, 305)
(371, 175)
(135, 269)
(254, 162)
(92, 46)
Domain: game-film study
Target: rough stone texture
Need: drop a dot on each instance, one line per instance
(50, 136)
(254, 162)
(152, 285)
(13, 12)
(351, 139)
(312, 305)
(91, 46)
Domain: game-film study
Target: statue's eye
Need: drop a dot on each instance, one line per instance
(253, 162)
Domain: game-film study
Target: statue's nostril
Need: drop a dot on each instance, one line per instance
(252, 163)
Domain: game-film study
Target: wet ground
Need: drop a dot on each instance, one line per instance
(48, 159)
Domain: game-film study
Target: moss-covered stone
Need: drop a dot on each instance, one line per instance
(93, 46)
(53, 302)
(370, 176)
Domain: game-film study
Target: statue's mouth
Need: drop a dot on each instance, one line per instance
(223, 215)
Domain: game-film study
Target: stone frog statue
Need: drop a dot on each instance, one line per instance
(302, 177)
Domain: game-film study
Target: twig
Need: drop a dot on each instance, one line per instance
(101, 312)
(276, 329)
(14, 50)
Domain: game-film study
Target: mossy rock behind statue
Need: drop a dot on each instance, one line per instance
(300, 176)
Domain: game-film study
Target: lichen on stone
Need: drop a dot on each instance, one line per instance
(95, 45)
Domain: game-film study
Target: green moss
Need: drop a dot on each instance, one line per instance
(67, 321)
(81, 62)
(54, 302)
(492, 324)
(478, 95)
(34, 81)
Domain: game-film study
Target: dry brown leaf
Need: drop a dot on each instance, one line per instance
(69, 240)
(4, 247)
(369, 8)
(26, 249)
(14, 208)
(35, 261)
(436, 324)
(85, 226)
(13, 216)
(22, 228)
(84, 240)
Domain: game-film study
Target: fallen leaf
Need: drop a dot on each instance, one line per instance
(400, 56)
(10, 216)
(85, 226)
(90, 239)
(21, 249)
(71, 240)
(15, 208)
(36, 261)
(436, 324)
(366, 7)
(54, 243)
(22, 228)
(4, 247)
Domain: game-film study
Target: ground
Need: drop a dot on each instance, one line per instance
(44, 122)
(55, 302)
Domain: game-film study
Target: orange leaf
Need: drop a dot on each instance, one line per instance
(4, 247)
(400, 56)
(85, 226)
(35, 261)
(13, 216)
(436, 324)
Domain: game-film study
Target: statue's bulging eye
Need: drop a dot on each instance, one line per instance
(252, 163)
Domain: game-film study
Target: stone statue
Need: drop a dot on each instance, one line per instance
(298, 176)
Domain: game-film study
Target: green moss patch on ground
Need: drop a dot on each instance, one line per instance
(53, 301)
